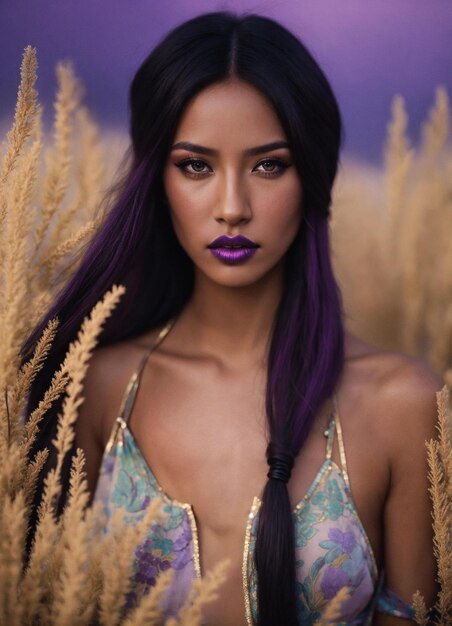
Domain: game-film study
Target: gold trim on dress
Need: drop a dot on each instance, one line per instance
(340, 442)
(113, 435)
(194, 533)
(130, 393)
(330, 441)
(246, 552)
(129, 396)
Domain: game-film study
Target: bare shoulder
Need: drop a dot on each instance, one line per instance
(400, 416)
(402, 391)
(109, 372)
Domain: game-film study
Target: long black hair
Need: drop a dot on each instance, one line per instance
(137, 246)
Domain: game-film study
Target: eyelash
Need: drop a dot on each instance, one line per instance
(282, 166)
(182, 165)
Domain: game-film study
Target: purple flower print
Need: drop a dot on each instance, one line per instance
(145, 503)
(108, 465)
(346, 540)
(333, 580)
(148, 566)
(181, 546)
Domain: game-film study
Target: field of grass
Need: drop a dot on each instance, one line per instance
(391, 231)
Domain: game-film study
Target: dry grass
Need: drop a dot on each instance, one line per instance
(397, 285)
(333, 611)
(440, 474)
(420, 608)
(391, 234)
(75, 574)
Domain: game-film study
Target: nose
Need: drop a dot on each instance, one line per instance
(233, 206)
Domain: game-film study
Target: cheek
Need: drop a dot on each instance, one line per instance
(181, 204)
(284, 213)
(185, 194)
(182, 221)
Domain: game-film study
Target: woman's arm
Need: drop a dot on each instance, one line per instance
(408, 418)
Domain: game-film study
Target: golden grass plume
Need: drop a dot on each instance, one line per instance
(333, 611)
(439, 454)
(49, 208)
(74, 573)
(391, 231)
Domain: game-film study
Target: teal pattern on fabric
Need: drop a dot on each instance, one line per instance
(125, 482)
(332, 552)
(332, 549)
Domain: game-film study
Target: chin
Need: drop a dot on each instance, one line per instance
(236, 275)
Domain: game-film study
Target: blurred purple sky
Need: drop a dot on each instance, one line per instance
(369, 49)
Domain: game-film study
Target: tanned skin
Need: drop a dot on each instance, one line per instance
(199, 418)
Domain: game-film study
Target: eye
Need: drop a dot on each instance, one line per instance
(271, 167)
(194, 167)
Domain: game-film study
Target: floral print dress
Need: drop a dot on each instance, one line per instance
(332, 550)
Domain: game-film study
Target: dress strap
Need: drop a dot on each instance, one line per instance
(130, 393)
(340, 441)
(329, 433)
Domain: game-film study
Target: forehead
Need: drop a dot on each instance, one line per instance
(229, 114)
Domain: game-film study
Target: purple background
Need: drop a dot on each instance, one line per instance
(369, 49)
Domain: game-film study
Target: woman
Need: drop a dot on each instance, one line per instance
(232, 326)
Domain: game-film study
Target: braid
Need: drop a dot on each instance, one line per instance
(304, 364)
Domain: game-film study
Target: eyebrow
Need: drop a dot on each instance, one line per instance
(193, 147)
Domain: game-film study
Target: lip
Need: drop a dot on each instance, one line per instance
(226, 242)
(233, 256)
(232, 250)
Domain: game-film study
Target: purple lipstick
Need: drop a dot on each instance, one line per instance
(232, 250)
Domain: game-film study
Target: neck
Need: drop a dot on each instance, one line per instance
(232, 323)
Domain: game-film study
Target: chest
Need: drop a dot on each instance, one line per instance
(330, 545)
(204, 434)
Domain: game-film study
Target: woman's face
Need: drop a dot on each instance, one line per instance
(230, 172)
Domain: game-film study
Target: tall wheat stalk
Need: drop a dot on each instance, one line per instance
(391, 233)
(391, 240)
(439, 454)
(72, 567)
